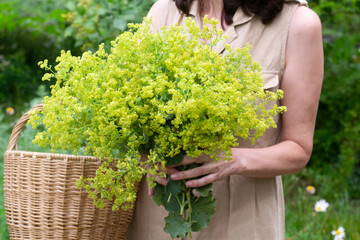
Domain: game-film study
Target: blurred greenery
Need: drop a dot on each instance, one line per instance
(27, 37)
(96, 21)
(30, 34)
(337, 134)
(4, 128)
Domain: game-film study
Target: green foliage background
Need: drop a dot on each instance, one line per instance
(337, 135)
(27, 37)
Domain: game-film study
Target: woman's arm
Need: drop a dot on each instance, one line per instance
(301, 83)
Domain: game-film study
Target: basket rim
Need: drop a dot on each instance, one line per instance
(54, 156)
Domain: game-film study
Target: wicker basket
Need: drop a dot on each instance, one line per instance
(42, 201)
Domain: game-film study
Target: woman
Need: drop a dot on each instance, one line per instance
(286, 40)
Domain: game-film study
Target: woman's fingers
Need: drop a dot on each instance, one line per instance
(188, 160)
(170, 170)
(195, 172)
(159, 180)
(203, 181)
(205, 174)
(151, 192)
(209, 172)
(162, 180)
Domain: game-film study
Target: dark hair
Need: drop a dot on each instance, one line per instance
(265, 9)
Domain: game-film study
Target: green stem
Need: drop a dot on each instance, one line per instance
(190, 209)
(182, 205)
(169, 198)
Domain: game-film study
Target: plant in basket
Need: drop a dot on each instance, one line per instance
(161, 94)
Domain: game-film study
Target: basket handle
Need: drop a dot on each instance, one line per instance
(19, 126)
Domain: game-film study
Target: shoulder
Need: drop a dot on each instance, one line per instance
(159, 9)
(159, 6)
(305, 23)
(304, 43)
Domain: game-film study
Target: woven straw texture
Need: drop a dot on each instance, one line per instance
(42, 201)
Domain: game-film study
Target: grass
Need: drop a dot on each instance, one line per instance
(3, 227)
(5, 133)
(302, 222)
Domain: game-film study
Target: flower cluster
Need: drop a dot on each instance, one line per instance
(156, 93)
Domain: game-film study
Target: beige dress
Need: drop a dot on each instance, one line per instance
(246, 208)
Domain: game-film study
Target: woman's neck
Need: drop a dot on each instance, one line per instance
(213, 8)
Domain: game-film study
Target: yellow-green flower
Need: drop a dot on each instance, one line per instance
(156, 93)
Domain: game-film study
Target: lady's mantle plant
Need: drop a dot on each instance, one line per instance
(161, 94)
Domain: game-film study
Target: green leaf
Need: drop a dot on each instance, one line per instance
(174, 187)
(171, 202)
(202, 212)
(102, 11)
(173, 194)
(170, 116)
(69, 31)
(168, 196)
(158, 196)
(205, 190)
(120, 23)
(176, 226)
(175, 160)
(70, 5)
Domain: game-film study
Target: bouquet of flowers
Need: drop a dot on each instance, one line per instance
(162, 94)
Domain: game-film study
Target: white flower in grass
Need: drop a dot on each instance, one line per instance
(310, 189)
(10, 111)
(339, 234)
(321, 205)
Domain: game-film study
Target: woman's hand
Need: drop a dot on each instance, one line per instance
(209, 172)
(159, 180)
(162, 180)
